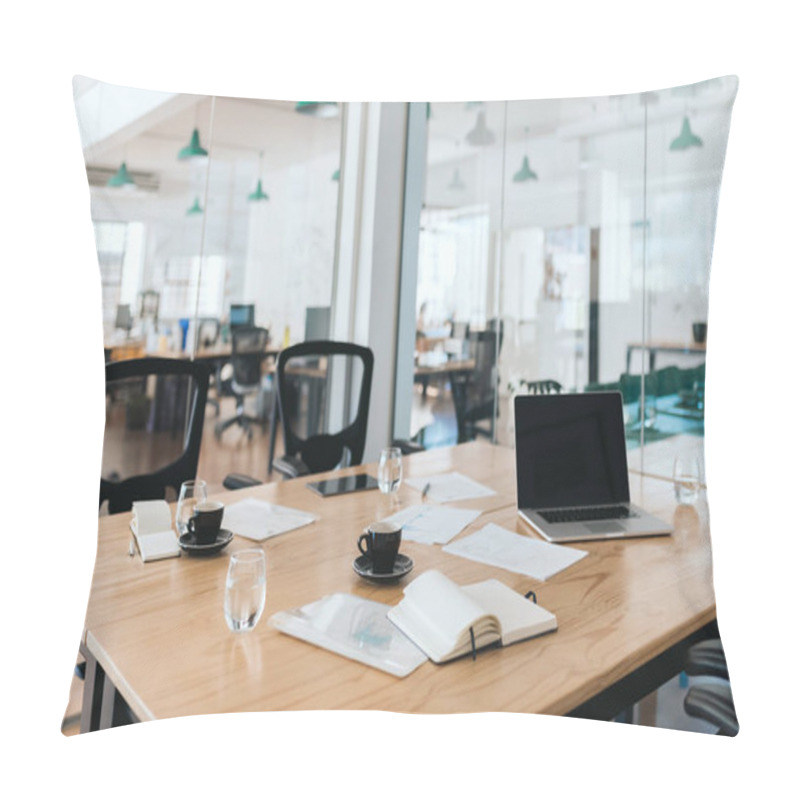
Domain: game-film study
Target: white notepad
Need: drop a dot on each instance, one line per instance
(151, 526)
(259, 520)
(450, 487)
(503, 548)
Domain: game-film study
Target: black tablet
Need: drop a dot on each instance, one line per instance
(352, 483)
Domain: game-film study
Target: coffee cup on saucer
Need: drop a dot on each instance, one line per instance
(380, 544)
(206, 521)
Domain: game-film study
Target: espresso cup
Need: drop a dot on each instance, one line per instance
(380, 544)
(206, 521)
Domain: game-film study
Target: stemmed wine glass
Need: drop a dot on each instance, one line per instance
(192, 494)
(390, 470)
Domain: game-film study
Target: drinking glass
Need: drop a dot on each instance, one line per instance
(245, 589)
(390, 470)
(686, 477)
(192, 493)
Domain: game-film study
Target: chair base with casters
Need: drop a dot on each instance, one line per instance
(243, 420)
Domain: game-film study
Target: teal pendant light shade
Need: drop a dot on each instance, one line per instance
(121, 178)
(195, 209)
(258, 194)
(314, 108)
(457, 184)
(335, 176)
(480, 135)
(525, 172)
(686, 138)
(193, 149)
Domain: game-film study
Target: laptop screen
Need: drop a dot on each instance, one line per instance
(570, 450)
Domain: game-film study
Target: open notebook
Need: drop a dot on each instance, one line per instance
(446, 620)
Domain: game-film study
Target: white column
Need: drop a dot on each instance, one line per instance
(367, 272)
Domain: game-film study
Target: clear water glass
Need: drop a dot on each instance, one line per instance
(192, 493)
(390, 470)
(245, 589)
(686, 477)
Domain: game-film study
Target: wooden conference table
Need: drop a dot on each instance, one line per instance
(155, 635)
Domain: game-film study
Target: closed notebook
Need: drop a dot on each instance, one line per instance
(152, 528)
(446, 620)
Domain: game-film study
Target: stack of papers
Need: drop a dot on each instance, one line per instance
(450, 487)
(502, 548)
(259, 520)
(432, 524)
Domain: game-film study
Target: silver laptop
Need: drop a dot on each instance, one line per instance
(572, 469)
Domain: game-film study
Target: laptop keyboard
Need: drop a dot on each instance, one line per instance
(587, 513)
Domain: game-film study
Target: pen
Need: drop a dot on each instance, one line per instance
(425, 490)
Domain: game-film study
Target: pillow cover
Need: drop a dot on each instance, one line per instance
(574, 236)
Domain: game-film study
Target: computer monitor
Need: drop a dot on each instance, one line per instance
(318, 321)
(243, 316)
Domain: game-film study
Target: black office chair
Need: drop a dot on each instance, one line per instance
(474, 392)
(546, 386)
(248, 346)
(712, 702)
(155, 409)
(312, 377)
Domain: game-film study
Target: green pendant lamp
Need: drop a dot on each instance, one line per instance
(525, 173)
(193, 149)
(686, 138)
(121, 178)
(195, 209)
(313, 108)
(457, 184)
(335, 176)
(258, 194)
(480, 135)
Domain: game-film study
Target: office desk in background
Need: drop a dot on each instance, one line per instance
(653, 348)
(155, 633)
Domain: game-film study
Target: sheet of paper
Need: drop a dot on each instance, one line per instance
(259, 520)
(158, 545)
(450, 487)
(433, 524)
(503, 548)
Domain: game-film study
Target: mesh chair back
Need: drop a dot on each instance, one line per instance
(248, 346)
(155, 408)
(323, 398)
(474, 392)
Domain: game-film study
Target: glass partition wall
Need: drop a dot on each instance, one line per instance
(209, 212)
(574, 238)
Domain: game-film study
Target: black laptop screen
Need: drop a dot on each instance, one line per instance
(570, 450)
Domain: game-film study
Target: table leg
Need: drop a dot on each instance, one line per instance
(92, 693)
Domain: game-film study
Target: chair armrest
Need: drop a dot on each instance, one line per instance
(715, 705)
(706, 658)
(291, 466)
(407, 446)
(238, 481)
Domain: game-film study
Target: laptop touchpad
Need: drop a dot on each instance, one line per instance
(605, 527)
